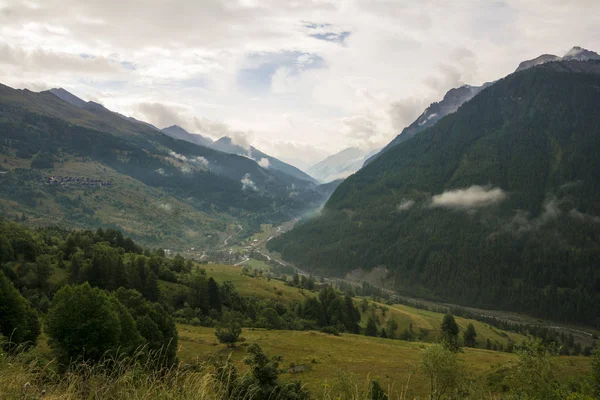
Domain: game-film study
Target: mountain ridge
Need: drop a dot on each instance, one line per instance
(455, 97)
(196, 193)
(496, 205)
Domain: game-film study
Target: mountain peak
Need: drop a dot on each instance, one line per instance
(581, 54)
(177, 132)
(69, 97)
(544, 58)
(175, 129)
(576, 53)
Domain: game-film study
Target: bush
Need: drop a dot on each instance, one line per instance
(85, 322)
(440, 366)
(230, 334)
(18, 322)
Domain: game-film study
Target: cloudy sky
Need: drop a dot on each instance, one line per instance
(300, 79)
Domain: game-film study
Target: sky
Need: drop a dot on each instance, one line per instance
(298, 79)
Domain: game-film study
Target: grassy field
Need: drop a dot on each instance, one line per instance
(426, 324)
(423, 324)
(327, 357)
(258, 286)
(258, 265)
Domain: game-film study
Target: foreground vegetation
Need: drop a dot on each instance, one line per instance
(93, 315)
(329, 367)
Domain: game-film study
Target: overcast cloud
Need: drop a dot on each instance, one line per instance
(317, 76)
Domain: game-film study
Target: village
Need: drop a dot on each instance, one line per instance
(76, 181)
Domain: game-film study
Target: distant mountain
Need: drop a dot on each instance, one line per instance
(497, 205)
(456, 97)
(580, 54)
(78, 164)
(68, 97)
(178, 132)
(575, 54)
(340, 165)
(227, 145)
(544, 58)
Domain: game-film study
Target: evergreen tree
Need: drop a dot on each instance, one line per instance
(469, 336)
(371, 329)
(450, 332)
(152, 291)
(214, 299)
(392, 327)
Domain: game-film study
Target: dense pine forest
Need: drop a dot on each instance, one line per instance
(527, 149)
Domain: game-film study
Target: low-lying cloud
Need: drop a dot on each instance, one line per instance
(405, 205)
(264, 162)
(199, 161)
(248, 184)
(574, 213)
(469, 198)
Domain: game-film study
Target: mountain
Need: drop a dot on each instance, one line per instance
(340, 165)
(178, 132)
(227, 145)
(544, 58)
(580, 54)
(497, 205)
(456, 97)
(453, 99)
(68, 97)
(81, 165)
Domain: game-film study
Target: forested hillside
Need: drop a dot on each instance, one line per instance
(82, 167)
(497, 205)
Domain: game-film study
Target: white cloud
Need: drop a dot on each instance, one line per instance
(521, 222)
(248, 184)
(264, 162)
(469, 198)
(200, 161)
(178, 156)
(405, 205)
(362, 69)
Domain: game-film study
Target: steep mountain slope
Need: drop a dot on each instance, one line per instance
(178, 132)
(340, 165)
(432, 114)
(454, 98)
(87, 166)
(227, 145)
(497, 205)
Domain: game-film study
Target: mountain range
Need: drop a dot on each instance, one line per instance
(496, 205)
(456, 97)
(74, 163)
(340, 165)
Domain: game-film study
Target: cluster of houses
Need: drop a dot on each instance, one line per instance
(75, 180)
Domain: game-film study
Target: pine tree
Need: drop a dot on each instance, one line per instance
(469, 336)
(371, 329)
(450, 332)
(152, 291)
(214, 300)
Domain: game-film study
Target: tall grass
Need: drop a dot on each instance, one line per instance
(24, 375)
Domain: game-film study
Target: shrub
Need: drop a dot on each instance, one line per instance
(18, 321)
(85, 322)
(230, 334)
